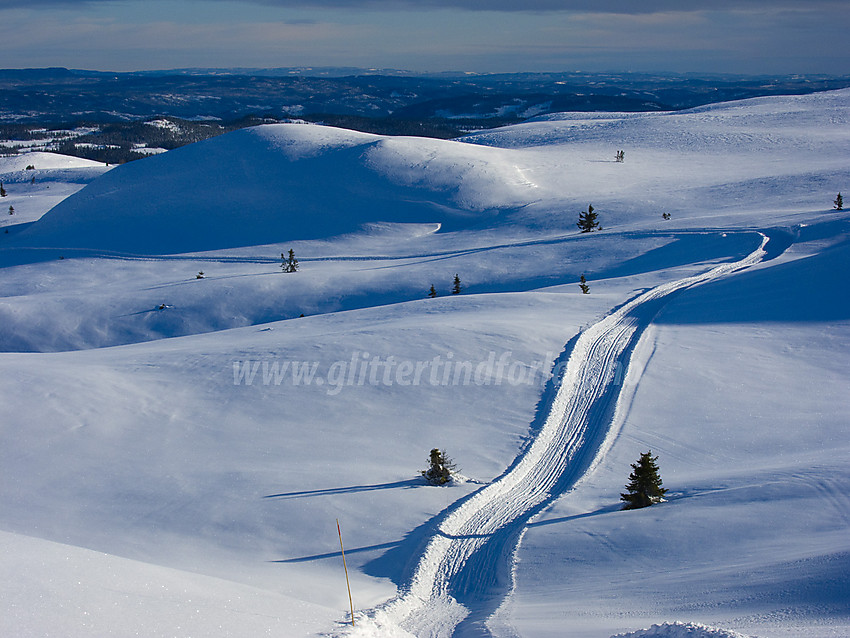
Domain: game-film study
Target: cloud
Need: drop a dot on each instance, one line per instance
(591, 6)
(132, 35)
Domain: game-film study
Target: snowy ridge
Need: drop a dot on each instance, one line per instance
(486, 527)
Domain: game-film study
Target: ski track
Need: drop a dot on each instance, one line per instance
(465, 569)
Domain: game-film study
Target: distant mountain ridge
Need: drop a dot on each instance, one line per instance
(54, 95)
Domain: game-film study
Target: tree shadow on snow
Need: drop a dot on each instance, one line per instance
(409, 483)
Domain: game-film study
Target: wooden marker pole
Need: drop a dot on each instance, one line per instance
(342, 549)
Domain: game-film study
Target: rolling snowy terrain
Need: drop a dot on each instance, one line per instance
(185, 422)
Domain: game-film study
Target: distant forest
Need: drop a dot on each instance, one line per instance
(120, 117)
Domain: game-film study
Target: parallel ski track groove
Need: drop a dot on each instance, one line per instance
(559, 455)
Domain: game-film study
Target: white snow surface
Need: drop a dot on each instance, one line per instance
(681, 630)
(175, 451)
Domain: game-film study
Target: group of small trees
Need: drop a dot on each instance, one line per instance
(456, 287)
(588, 220)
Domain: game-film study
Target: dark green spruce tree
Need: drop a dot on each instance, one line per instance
(644, 486)
(433, 292)
(456, 285)
(587, 220)
(839, 202)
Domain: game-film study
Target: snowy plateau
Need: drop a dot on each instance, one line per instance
(184, 423)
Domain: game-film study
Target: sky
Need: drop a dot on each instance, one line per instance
(718, 36)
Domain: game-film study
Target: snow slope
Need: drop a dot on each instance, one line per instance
(198, 438)
(298, 181)
(31, 192)
(51, 589)
(279, 182)
(475, 540)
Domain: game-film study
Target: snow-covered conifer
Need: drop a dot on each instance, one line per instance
(440, 469)
(289, 263)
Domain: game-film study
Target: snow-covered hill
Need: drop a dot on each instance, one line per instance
(176, 450)
(289, 182)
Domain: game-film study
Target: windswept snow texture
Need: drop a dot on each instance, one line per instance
(178, 440)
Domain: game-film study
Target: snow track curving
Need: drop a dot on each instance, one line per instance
(464, 571)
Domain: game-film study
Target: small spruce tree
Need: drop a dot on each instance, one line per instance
(644, 486)
(587, 220)
(11, 210)
(289, 263)
(582, 283)
(433, 292)
(456, 288)
(2, 190)
(440, 469)
(200, 275)
(839, 202)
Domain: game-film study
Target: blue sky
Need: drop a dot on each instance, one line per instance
(741, 36)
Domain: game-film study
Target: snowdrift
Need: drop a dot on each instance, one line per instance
(681, 630)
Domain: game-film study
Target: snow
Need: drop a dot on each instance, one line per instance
(165, 124)
(50, 589)
(32, 192)
(151, 485)
(41, 161)
(681, 630)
